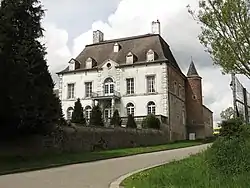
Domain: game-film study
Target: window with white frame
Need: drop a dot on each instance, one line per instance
(69, 113)
(130, 86)
(151, 107)
(151, 84)
(71, 91)
(89, 63)
(130, 58)
(116, 47)
(150, 55)
(130, 109)
(88, 89)
(88, 112)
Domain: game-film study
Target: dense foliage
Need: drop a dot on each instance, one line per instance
(131, 122)
(116, 119)
(77, 115)
(29, 105)
(96, 117)
(151, 122)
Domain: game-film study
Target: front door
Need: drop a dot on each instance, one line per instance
(107, 114)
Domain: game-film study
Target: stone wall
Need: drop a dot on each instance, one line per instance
(81, 139)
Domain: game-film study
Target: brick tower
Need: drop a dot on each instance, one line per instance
(194, 103)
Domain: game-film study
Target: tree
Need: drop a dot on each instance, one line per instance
(227, 113)
(77, 115)
(151, 122)
(225, 33)
(28, 87)
(116, 119)
(131, 122)
(96, 117)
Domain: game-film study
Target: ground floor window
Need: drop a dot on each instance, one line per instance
(151, 107)
(69, 113)
(88, 112)
(130, 109)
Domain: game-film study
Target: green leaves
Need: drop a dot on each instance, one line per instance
(77, 115)
(224, 33)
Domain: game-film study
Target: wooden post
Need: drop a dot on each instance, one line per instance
(245, 105)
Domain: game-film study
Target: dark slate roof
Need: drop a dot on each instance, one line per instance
(138, 45)
(192, 70)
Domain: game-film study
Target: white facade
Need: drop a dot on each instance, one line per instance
(119, 74)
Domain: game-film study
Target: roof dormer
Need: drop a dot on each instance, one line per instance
(130, 58)
(116, 47)
(150, 55)
(72, 65)
(90, 63)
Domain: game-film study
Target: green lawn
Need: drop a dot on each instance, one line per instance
(189, 173)
(13, 164)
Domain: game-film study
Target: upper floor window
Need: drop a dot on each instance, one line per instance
(88, 89)
(89, 63)
(130, 86)
(130, 58)
(72, 65)
(109, 86)
(150, 55)
(116, 47)
(71, 91)
(151, 84)
(130, 109)
(151, 107)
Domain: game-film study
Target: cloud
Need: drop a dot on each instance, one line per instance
(134, 17)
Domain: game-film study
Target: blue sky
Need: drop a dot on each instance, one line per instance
(69, 26)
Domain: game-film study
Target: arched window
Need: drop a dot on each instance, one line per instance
(150, 55)
(88, 112)
(151, 107)
(108, 86)
(69, 113)
(130, 109)
(130, 58)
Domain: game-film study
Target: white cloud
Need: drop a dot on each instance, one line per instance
(133, 17)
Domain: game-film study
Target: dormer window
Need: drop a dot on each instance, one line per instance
(150, 55)
(72, 65)
(130, 58)
(90, 63)
(116, 47)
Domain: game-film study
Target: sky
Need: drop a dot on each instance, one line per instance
(69, 25)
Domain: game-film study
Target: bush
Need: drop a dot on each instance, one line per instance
(231, 127)
(151, 122)
(131, 122)
(230, 153)
(116, 119)
(77, 115)
(96, 117)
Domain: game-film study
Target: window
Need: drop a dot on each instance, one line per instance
(71, 91)
(89, 63)
(116, 47)
(88, 89)
(183, 117)
(72, 65)
(175, 88)
(69, 113)
(151, 107)
(108, 86)
(150, 55)
(130, 86)
(130, 109)
(88, 112)
(151, 84)
(130, 58)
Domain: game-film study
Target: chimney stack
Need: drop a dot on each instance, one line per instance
(156, 27)
(98, 36)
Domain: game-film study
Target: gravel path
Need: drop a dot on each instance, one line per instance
(94, 174)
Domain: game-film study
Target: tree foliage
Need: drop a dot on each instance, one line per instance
(96, 117)
(227, 113)
(29, 103)
(131, 122)
(77, 115)
(116, 119)
(225, 26)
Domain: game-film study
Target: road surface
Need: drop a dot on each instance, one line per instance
(94, 174)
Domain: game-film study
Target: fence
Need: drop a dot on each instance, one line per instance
(241, 99)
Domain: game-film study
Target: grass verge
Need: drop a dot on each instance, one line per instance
(191, 172)
(14, 164)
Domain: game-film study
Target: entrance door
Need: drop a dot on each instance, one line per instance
(108, 87)
(107, 114)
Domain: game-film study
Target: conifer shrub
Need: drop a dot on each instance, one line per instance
(131, 122)
(116, 119)
(77, 115)
(151, 122)
(96, 117)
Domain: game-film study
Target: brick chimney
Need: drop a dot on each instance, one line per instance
(156, 27)
(98, 36)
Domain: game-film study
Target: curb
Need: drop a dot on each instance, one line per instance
(117, 182)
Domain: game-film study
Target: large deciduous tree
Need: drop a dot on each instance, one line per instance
(227, 113)
(225, 26)
(29, 103)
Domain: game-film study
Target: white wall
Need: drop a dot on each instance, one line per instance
(138, 72)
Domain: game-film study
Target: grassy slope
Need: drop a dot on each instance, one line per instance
(189, 173)
(12, 164)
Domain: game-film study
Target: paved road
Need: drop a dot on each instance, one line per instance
(92, 175)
